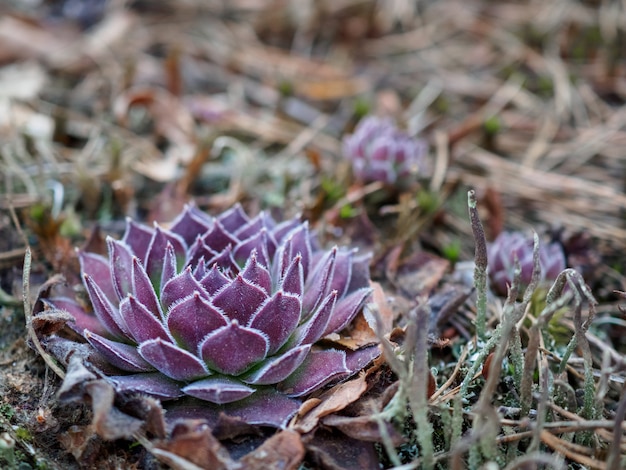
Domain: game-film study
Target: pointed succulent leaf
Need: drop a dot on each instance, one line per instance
(278, 368)
(293, 278)
(361, 358)
(360, 275)
(82, 320)
(239, 299)
(191, 223)
(317, 286)
(200, 270)
(252, 227)
(318, 369)
(297, 243)
(346, 309)
(143, 289)
(257, 273)
(282, 230)
(214, 280)
(552, 260)
(123, 356)
(278, 317)
(224, 259)
(218, 237)
(192, 318)
(300, 244)
(170, 269)
(257, 243)
(233, 349)
(315, 326)
(342, 272)
(180, 287)
(218, 390)
(266, 407)
(137, 237)
(142, 323)
(199, 250)
(121, 259)
(99, 269)
(234, 218)
(154, 384)
(159, 243)
(104, 310)
(172, 361)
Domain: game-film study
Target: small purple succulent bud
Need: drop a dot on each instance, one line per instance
(227, 310)
(379, 151)
(511, 245)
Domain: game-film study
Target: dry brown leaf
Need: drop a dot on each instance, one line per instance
(77, 440)
(50, 322)
(21, 81)
(492, 200)
(193, 441)
(283, 450)
(361, 333)
(335, 399)
(172, 120)
(363, 428)
(419, 274)
(385, 312)
(308, 405)
(109, 422)
(20, 39)
(55, 247)
(336, 451)
(358, 335)
(331, 89)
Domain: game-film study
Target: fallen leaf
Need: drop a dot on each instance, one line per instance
(361, 331)
(172, 120)
(108, 421)
(492, 200)
(50, 322)
(308, 405)
(419, 274)
(330, 89)
(21, 81)
(335, 399)
(230, 427)
(193, 441)
(79, 441)
(358, 335)
(283, 450)
(444, 304)
(56, 248)
(333, 450)
(487, 366)
(363, 428)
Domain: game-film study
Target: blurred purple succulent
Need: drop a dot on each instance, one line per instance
(510, 245)
(226, 310)
(379, 151)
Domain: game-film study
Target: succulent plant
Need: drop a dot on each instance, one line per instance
(511, 245)
(379, 151)
(227, 310)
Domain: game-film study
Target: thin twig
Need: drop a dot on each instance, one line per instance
(28, 315)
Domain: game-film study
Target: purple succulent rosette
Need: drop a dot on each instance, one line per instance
(379, 151)
(227, 310)
(511, 245)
